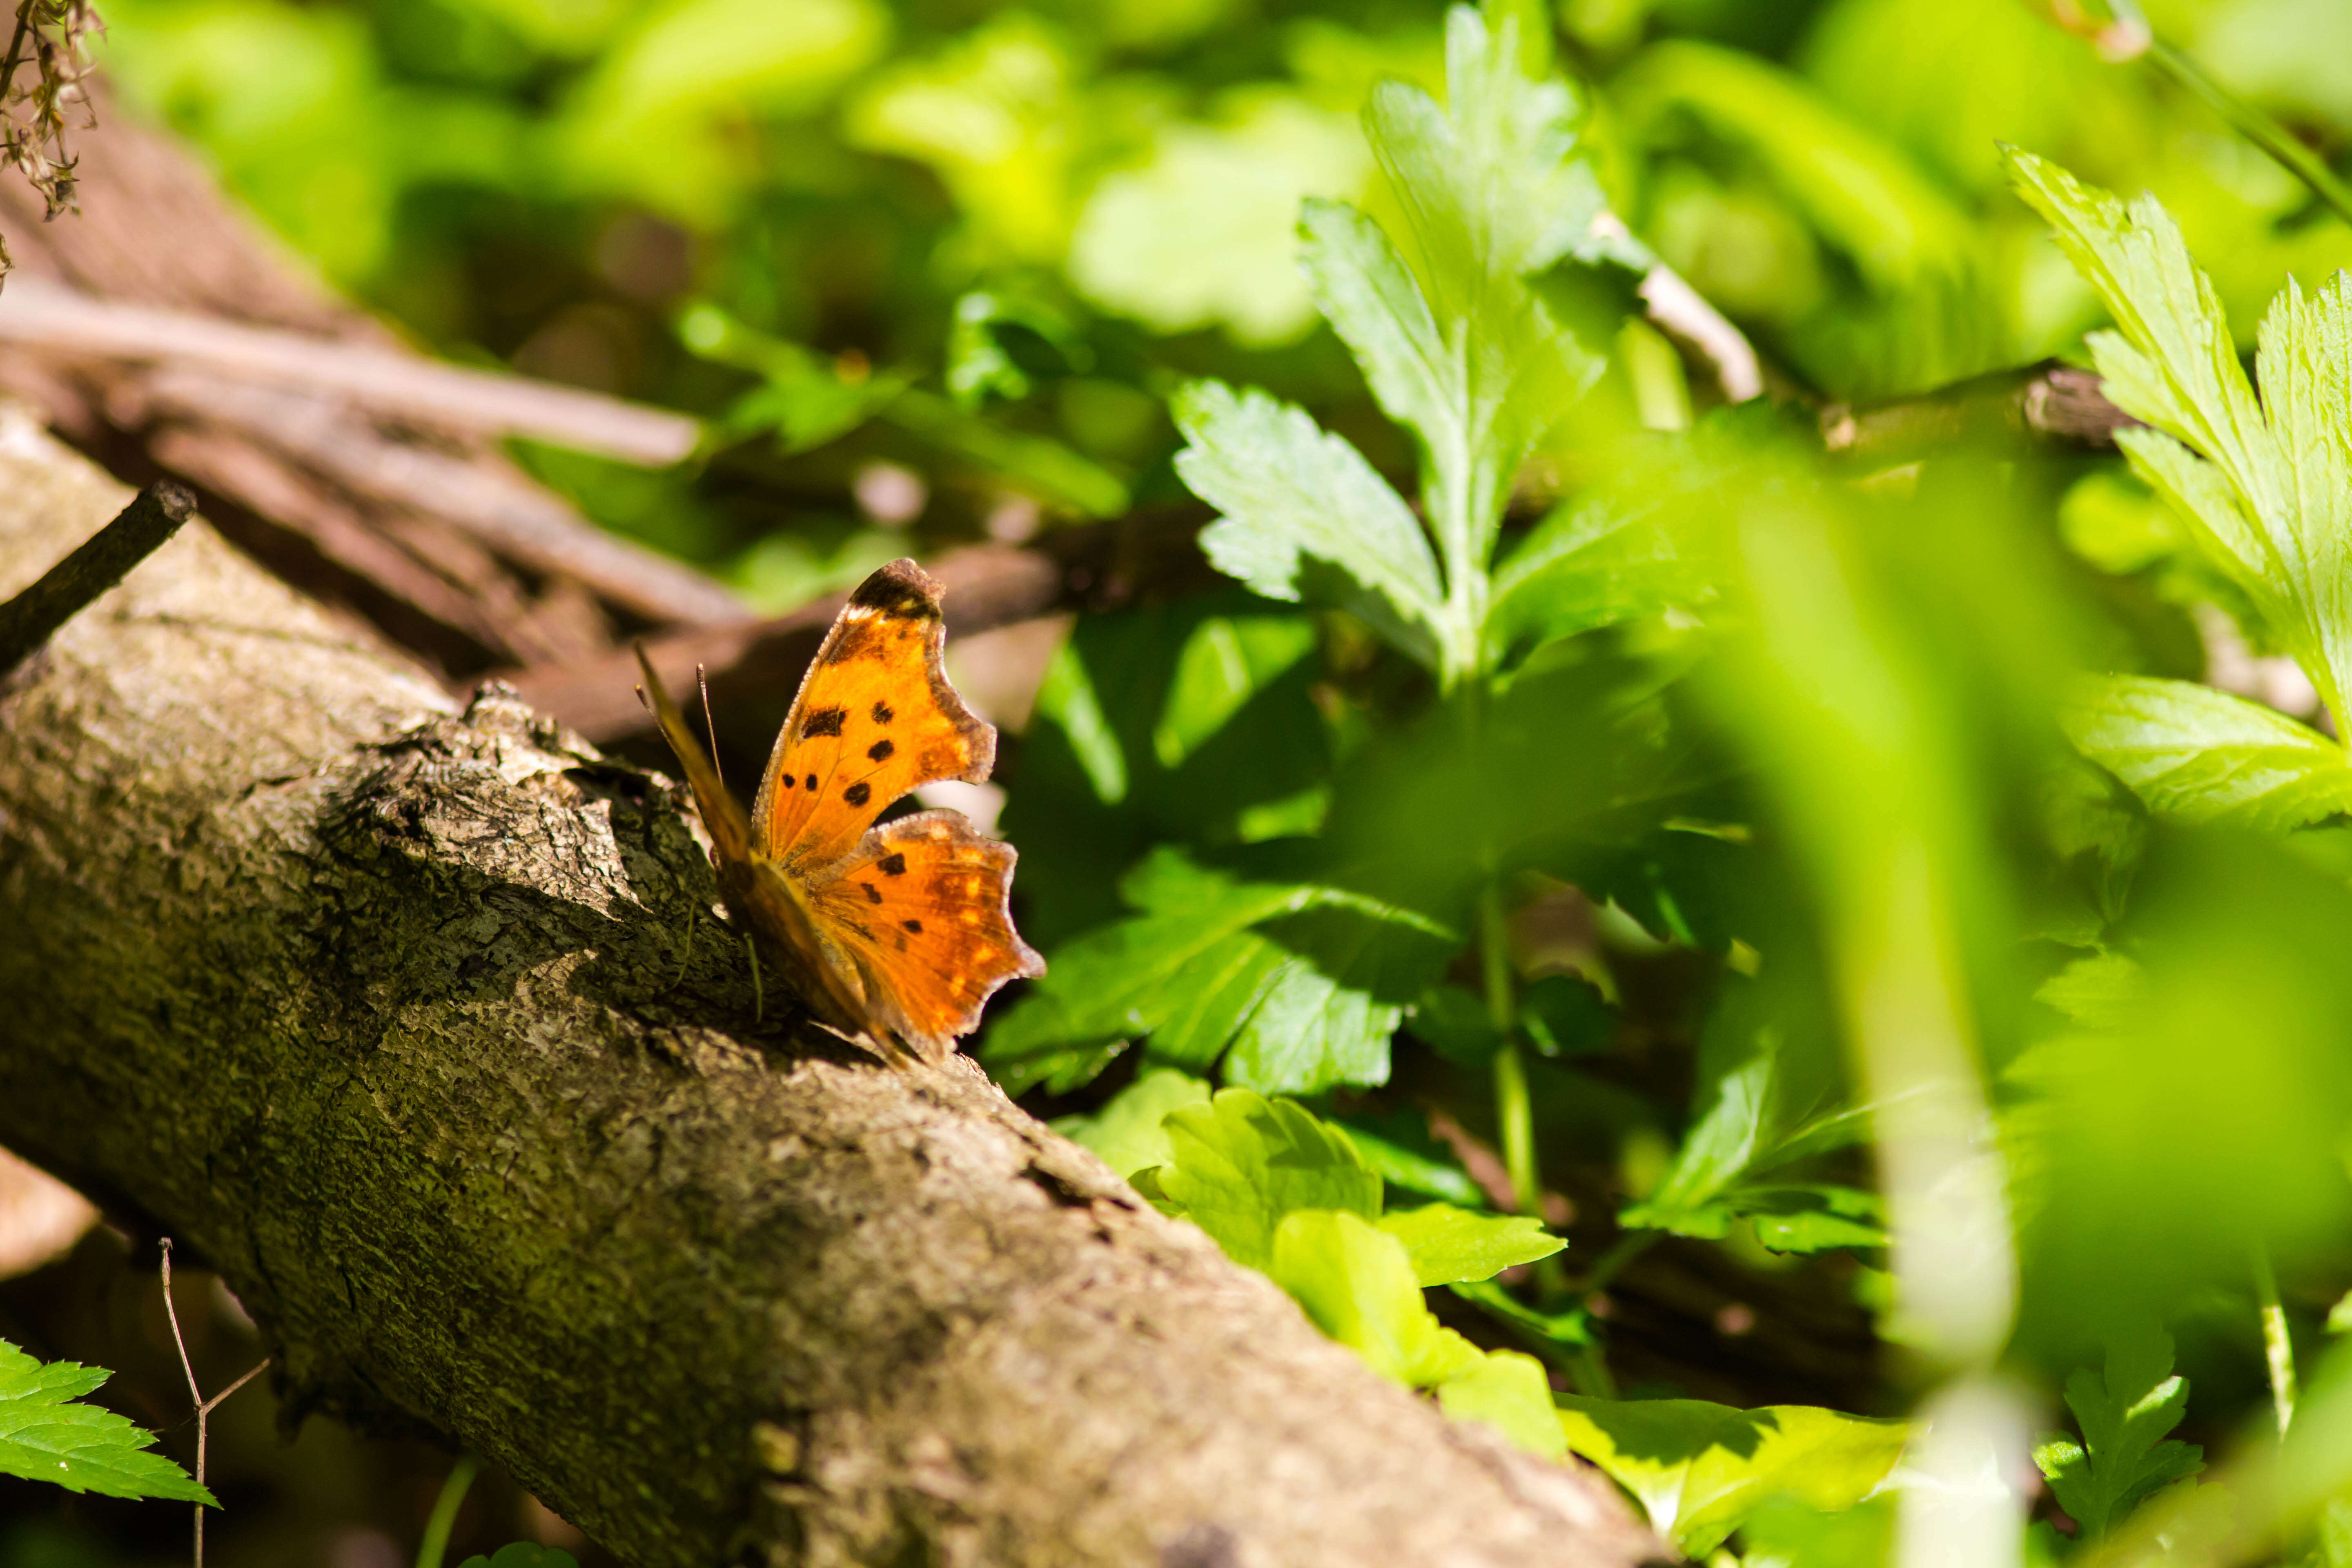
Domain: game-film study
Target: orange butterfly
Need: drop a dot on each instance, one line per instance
(898, 931)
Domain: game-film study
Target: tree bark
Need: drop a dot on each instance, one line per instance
(415, 1022)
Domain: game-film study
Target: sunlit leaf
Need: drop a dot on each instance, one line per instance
(2203, 755)
(2124, 1416)
(48, 1434)
(1243, 1162)
(1698, 1470)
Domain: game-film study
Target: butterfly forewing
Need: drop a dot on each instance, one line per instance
(876, 719)
(721, 818)
(921, 905)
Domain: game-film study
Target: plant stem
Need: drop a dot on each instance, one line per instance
(443, 1518)
(2278, 1346)
(1514, 1113)
(1621, 1251)
(2256, 127)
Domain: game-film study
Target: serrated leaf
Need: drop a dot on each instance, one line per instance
(1291, 495)
(1509, 1392)
(1127, 1131)
(1698, 1469)
(1592, 562)
(1493, 193)
(2200, 755)
(2265, 483)
(2098, 991)
(47, 1436)
(1304, 982)
(1450, 1246)
(1243, 1162)
(2124, 1417)
(1356, 1282)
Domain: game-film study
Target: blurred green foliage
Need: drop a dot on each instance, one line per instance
(1849, 884)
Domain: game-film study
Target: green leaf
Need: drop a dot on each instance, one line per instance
(1811, 1218)
(1604, 558)
(1415, 1168)
(2201, 755)
(1226, 661)
(1565, 1015)
(1067, 697)
(523, 1554)
(1785, 1533)
(45, 1436)
(1453, 1022)
(1356, 1282)
(1509, 1392)
(2266, 484)
(2099, 992)
(1698, 1470)
(1720, 1146)
(1305, 983)
(1289, 496)
(1570, 1329)
(1450, 1245)
(1241, 1162)
(1492, 192)
(2124, 1417)
(1004, 343)
(1127, 1132)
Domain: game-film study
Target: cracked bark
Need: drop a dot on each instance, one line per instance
(389, 1010)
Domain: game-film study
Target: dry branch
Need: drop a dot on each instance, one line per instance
(381, 1006)
(425, 392)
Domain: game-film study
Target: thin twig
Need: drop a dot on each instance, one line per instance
(100, 562)
(205, 1408)
(196, 1394)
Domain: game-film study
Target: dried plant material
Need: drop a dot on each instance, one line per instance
(49, 36)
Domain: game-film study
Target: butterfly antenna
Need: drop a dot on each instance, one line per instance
(710, 725)
(759, 992)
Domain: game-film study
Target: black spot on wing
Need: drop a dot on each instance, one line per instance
(914, 926)
(893, 865)
(811, 781)
(872, 893)
(882, 714)
(858, 793)
(880, 749)
(823, 722)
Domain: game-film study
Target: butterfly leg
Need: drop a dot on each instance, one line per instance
(758, 994)
(686, 950)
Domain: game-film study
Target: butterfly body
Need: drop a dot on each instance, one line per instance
(896, 934)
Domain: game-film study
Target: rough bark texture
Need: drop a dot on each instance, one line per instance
(392, 1011)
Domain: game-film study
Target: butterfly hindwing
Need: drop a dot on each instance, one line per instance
(922, 906)
(876, 719)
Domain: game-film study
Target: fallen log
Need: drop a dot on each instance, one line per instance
(414, 1022)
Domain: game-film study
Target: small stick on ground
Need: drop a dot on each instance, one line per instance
(100, 562)
(204, 1407)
